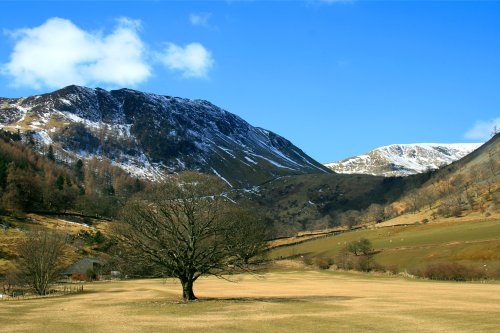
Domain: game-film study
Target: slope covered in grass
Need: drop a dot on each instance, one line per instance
(474, 242)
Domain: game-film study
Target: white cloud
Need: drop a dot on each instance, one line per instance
(483, 130)
(193, 60)
(58, 53)
(200, 19)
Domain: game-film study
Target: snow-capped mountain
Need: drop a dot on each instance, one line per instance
(403, 159)
(150, 135)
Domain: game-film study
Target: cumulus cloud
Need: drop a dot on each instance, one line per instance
(58, 53)
(200, 19)
(193, 60)
(483, 130)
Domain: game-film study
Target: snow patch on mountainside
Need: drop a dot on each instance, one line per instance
(403, 159)
(151, 135)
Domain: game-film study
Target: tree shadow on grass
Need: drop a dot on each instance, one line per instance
(290, 299)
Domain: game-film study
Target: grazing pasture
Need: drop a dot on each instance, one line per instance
(277, 301)
(475, 242)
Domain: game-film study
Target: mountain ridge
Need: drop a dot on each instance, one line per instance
(403, 159)
(150, 135)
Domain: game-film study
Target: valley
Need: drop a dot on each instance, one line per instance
(288, 300)
(250, 166)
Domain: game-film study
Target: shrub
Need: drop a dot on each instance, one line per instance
(378, 267)
(323, 262)
(394, 269)
(494, 273)
(365, 264)
(307, 260)
(343, 260)
(450, 209)
(452, 271)
(9, 282)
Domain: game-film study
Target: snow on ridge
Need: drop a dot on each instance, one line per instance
(207, 126)
(250, 160)
(461, 146)
(270, 161)
(224, 179)
(404, 159)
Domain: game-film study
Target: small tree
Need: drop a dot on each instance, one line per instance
(349, 218)
(40, 263)
(375, 213)
(50, 153)
(182, 228)
(359, 246)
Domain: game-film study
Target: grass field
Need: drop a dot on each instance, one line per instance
(284, 301)
(470, 242)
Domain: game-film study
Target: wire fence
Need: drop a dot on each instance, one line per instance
(56, 290)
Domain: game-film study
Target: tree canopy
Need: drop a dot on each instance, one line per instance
(187, 227)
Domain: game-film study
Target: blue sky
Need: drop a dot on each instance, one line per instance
(337, 78)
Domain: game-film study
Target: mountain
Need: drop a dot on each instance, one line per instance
(150, 135)
(403, 159)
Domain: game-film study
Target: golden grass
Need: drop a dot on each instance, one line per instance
(418, 217)
(10, 238)
(287, 301)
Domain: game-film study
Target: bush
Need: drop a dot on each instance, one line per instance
(393, 269)
(365, 264)
(378, 267)
(323, 262)
(493, 274)
(307, 260)
(343, 260)
(9, 282)
(452, 271)
(449, 209)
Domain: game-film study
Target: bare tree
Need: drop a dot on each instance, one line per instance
(247, 236)
(375, 213)
(414, 201)
(182, 227)
(41, 253)
(349, 218)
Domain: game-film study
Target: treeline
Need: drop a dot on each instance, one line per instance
(30, 181)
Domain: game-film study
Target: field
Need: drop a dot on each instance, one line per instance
(281, 301)
(475, 242)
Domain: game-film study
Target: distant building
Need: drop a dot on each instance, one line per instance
(84, 267)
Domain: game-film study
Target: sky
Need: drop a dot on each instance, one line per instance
(336, 77)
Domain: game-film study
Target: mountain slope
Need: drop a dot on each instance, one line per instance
(403, 159)
(150, 135)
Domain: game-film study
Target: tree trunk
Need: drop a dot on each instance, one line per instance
(187, 290)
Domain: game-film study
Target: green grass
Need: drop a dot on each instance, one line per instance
(411, 246)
